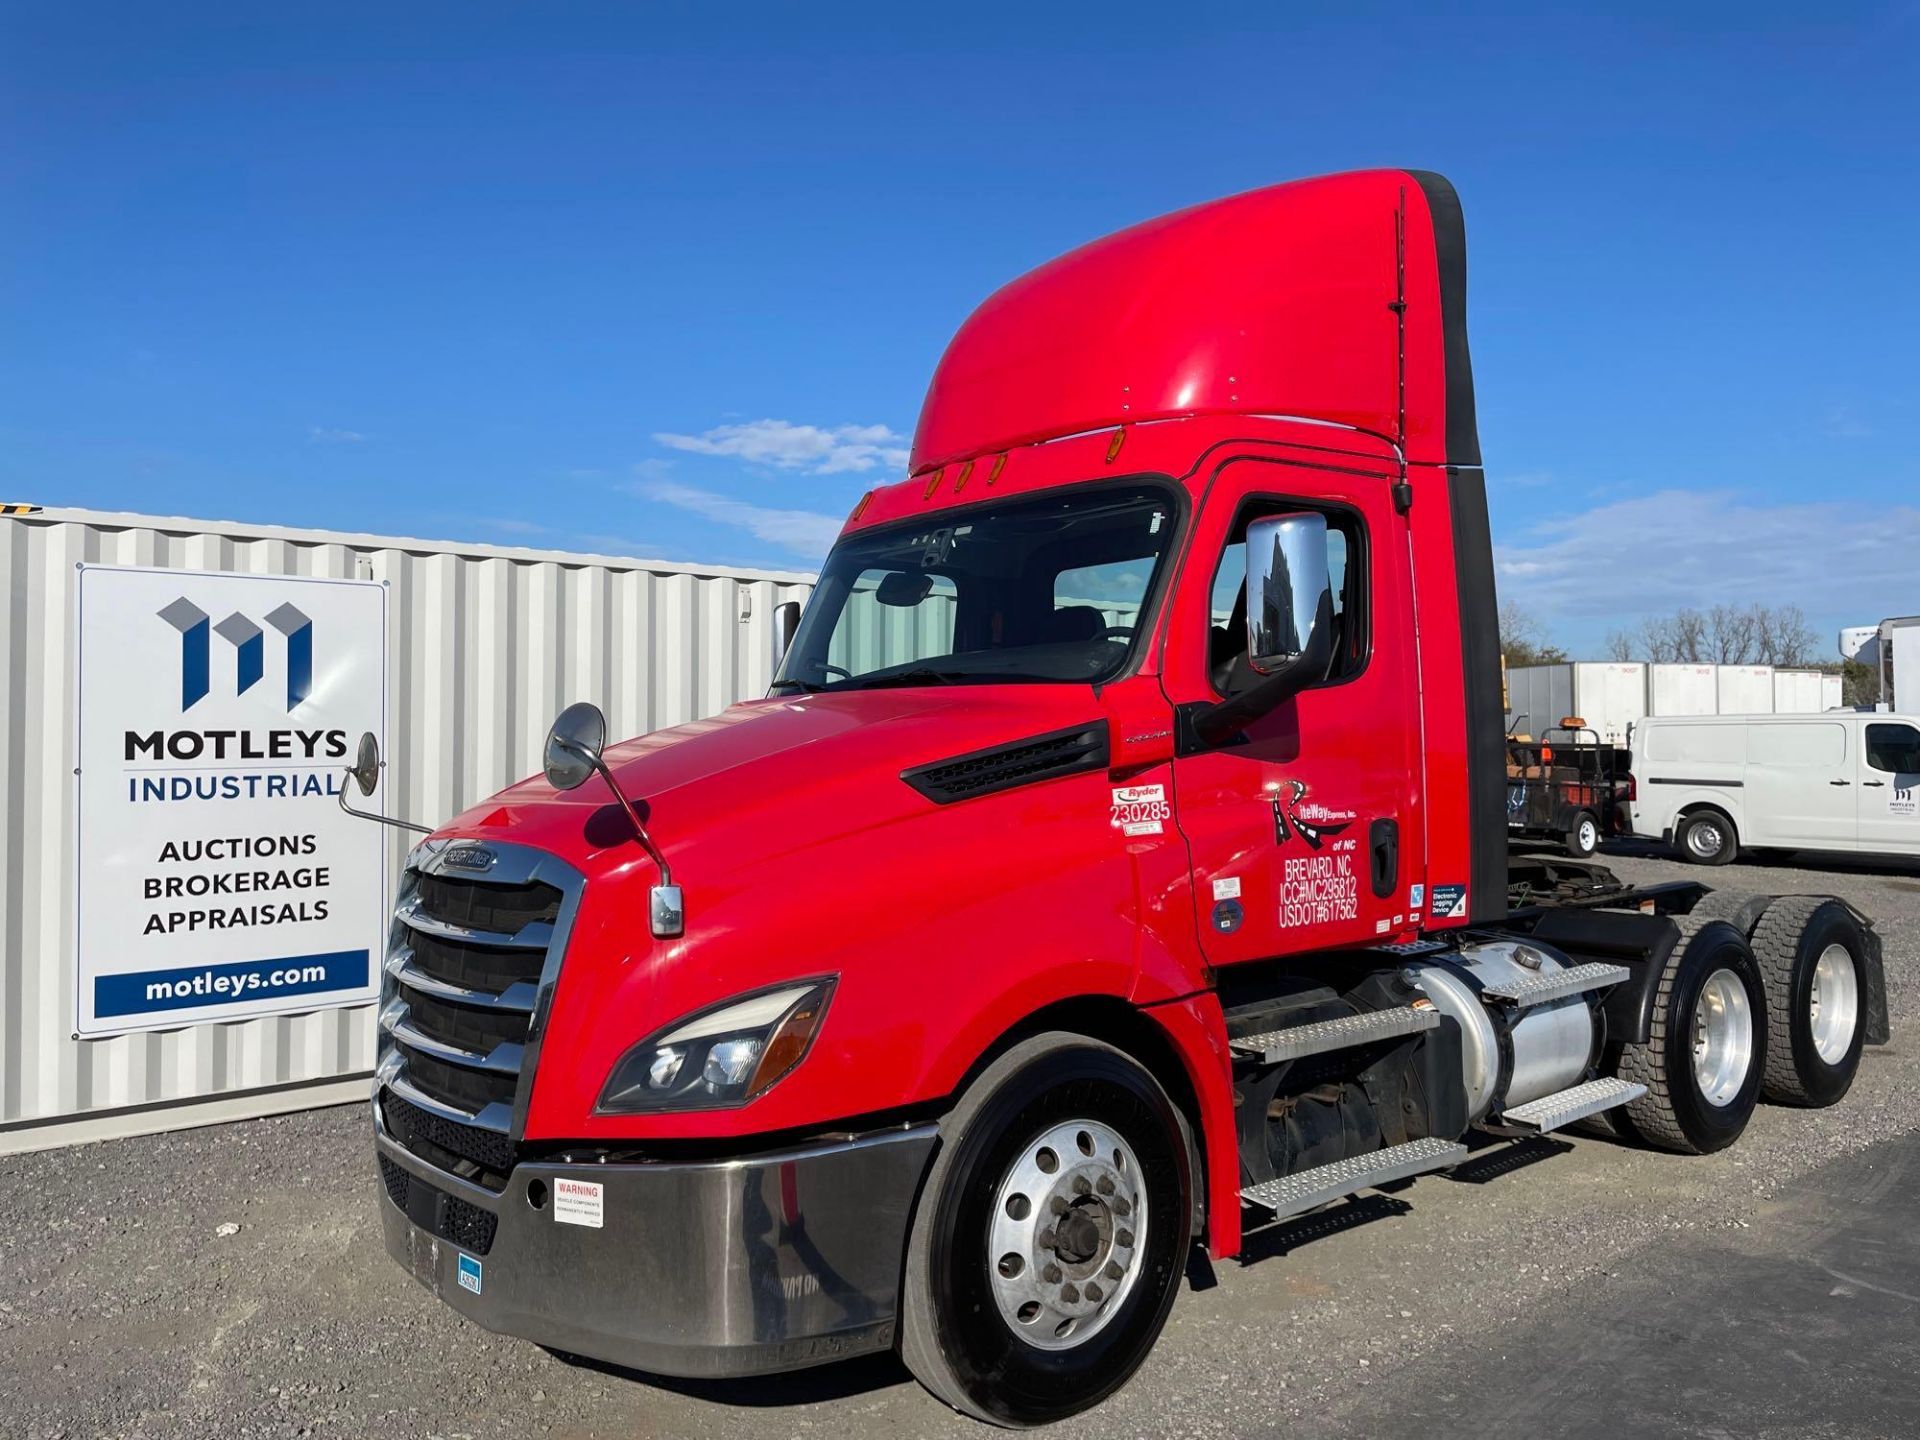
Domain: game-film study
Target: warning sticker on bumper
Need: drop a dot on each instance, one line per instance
(579, 1202)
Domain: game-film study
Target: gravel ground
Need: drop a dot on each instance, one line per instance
(130, 1306)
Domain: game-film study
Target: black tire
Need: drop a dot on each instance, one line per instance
(953, 1335)
(1583, 836)
(1675, 1114)
(1789, 942)
(1707, 837)
(1741, 908)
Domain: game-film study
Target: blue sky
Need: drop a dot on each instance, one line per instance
(669, 279)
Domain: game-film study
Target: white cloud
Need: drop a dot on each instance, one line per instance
(323, 435)
(805, 532)
(1606, 567)
(816, 449)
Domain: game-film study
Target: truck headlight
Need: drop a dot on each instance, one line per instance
(720, 1057)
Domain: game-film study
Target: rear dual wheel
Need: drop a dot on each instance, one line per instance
(1811, 950)
(1050, 1235)
(1706, 1050)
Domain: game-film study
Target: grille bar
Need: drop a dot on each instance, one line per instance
(534, 935)
(504, 1057)
(517, 997)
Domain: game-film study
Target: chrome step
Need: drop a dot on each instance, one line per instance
(1555, 984)
(1292, 1041)
(1295, 1194)
(1551, 1112)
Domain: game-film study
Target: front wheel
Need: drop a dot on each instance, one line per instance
(1050, 1235)
(1707, 838)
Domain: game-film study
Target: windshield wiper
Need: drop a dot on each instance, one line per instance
(912, 677)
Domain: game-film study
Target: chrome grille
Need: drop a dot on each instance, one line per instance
(471, 962)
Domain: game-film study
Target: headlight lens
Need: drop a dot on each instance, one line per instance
(721, 1057)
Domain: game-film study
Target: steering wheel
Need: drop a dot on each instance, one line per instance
(1116, 632)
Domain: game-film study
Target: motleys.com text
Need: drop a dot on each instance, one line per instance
(226, 986)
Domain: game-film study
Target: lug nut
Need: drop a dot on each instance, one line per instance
(1113, 1270)
(1122, 1208)
(1105, 1187)
(1093, 1293)
(1124, 1239)
(1070, 1294)
(1057, 1205)
(1080, 1185)
(1051, 1274)
(1048, 1239)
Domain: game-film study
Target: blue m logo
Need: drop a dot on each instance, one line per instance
(249, 650)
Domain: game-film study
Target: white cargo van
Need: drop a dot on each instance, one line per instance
(1712, 784)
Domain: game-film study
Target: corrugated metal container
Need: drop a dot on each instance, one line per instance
(484, 646)
(1609, 695)
(1744, 689)
(1682, 690)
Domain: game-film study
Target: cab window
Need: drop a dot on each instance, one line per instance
(1894, 749)
(1227, 619)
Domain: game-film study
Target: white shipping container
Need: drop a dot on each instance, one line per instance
(1682, 690)
(484, 646)
(1804, 692)
(1609, 695)
(1744, 689)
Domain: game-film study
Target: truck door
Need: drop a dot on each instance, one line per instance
(1890, 787)
(1307, 832)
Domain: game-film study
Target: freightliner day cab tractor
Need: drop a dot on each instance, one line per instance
(1119, 861)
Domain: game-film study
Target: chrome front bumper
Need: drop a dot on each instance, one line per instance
(718, 1268)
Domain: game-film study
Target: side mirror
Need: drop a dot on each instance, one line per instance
(572, 754)
(365, 769)
(786, 624)
(1289, 620)
(1286, 585)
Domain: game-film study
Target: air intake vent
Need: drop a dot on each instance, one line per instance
(1021, 762)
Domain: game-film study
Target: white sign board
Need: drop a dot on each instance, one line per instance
(216, 876)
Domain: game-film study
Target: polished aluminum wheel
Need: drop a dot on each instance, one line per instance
(1066, 1238)
(1834, 1004)
(1722, 1037)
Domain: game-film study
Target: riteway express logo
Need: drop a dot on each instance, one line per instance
(249, 652)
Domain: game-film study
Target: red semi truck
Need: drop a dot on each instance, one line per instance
(1118, 861)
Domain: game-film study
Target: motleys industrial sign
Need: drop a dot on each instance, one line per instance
(216, 876)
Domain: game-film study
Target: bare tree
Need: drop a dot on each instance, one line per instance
(1732, 634)
(1523, 641)
(1783, 637)
(1619, 645)
(1679, 638)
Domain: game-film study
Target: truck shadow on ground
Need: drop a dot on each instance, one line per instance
(838, 1380)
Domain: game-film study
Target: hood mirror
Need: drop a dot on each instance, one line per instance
(573, 746)
(573, 755)
(786, 624)
(365, 774)
(365, 769)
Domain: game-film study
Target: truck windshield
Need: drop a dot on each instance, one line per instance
(1036, 589)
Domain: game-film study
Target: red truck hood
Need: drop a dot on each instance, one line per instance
(769, 776)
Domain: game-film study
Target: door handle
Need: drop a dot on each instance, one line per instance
(1839, 782)
(1871, 784)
